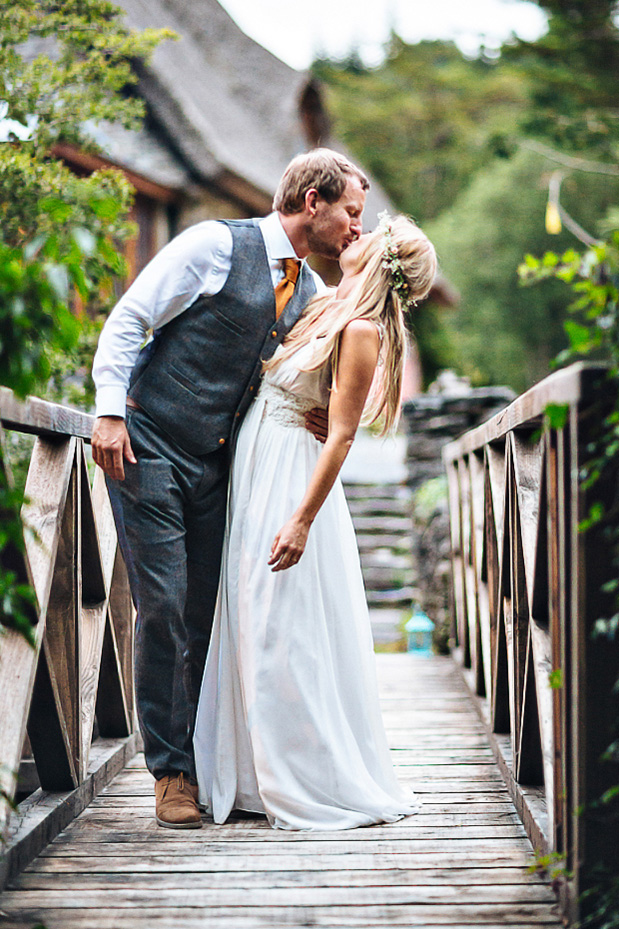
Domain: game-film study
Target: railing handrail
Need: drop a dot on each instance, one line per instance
(42, 417)
(81, 663)
(569, 385)
(529, 587)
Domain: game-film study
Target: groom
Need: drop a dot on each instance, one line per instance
(219, 298)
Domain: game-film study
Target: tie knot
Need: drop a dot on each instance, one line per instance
(291, 270)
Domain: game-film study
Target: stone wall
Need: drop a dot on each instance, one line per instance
(449, 408)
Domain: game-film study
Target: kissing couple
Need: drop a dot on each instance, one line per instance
(222, 439)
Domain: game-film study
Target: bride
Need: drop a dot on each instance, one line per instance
(288, 721)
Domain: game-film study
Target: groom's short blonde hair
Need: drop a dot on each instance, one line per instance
(322, 169)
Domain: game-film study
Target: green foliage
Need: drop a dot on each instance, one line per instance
(602, 903)
(555, 679)
(5, 796)
(425, 120)
(594, 278)
(17, 600)
(63, 64)
(430, 497)
(429, 124)
(552, 864)
(41, 195)
(555, 415)
(501, 333)
(593, 333)
(573, 77)
(435, 343)
(553, 867)
(38, 279)
(62, 67)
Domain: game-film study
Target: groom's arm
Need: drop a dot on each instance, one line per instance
(195, 262)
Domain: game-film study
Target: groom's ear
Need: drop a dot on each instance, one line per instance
(311, 201)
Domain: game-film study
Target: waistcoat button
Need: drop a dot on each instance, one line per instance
(274, 334)
(221, 441)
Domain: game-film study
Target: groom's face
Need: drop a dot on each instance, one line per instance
(335, 225)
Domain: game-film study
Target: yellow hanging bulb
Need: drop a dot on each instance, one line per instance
(553, 219)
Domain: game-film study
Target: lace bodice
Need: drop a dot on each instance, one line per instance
(288, 392)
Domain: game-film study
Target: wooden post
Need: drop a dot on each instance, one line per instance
(550, 679)
(82, 660)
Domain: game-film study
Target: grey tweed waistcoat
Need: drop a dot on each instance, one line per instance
(199, 374)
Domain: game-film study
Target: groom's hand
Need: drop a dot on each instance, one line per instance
(317, 422)
(111, 445)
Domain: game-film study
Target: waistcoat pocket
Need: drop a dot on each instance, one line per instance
(184, 380)
(231, 324)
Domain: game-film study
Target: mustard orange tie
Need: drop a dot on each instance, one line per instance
(285, 289)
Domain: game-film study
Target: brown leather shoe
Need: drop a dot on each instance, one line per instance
(175, 802)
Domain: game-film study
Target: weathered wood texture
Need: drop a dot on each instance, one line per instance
(462, 861)
(527, 593)
(81, 663)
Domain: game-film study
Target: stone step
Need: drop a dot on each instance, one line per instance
(402, 598)
(383, 525)
(395, 542)
(377, 491)
(386, 625)
(385, 578)
(385, 558)
(382, 518)
(368, 506)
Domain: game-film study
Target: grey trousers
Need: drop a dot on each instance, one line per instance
(170, 512)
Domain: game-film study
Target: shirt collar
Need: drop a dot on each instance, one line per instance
(278, 245)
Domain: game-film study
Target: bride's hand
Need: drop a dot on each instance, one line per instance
(288, 545)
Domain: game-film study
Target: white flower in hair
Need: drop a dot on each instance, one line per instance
(391, 262)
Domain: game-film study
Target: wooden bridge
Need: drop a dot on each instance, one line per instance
(498, 757)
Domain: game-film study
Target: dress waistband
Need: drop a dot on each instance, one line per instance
(284, 406)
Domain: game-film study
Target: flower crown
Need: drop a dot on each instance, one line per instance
(391, 261)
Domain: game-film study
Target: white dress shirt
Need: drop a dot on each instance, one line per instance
(196, 262)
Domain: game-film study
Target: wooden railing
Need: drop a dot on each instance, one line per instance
(527, 590)
(81, 665)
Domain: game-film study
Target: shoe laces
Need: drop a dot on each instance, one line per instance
(180, 783)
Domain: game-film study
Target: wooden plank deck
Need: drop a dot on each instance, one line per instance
(462, 861)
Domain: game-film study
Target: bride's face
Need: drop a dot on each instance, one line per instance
(350, 255)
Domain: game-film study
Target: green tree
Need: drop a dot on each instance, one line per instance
(426, 120)
(572, 73)
(502, 333)
(61, 67)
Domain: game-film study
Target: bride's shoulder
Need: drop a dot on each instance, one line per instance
(360, 342)
(363, 330)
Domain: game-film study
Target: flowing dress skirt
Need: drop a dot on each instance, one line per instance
(288, 721)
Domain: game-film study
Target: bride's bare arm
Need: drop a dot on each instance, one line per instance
(359, 348)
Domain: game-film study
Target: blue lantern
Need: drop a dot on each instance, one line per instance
(419, 629)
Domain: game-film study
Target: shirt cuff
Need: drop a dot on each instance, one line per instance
(111, 401)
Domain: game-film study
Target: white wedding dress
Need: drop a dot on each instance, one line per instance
(288, 721)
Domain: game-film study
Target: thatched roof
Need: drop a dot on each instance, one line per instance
(223, 112)
(234, 112)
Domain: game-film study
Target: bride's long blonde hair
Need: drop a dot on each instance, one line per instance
(373, 297)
